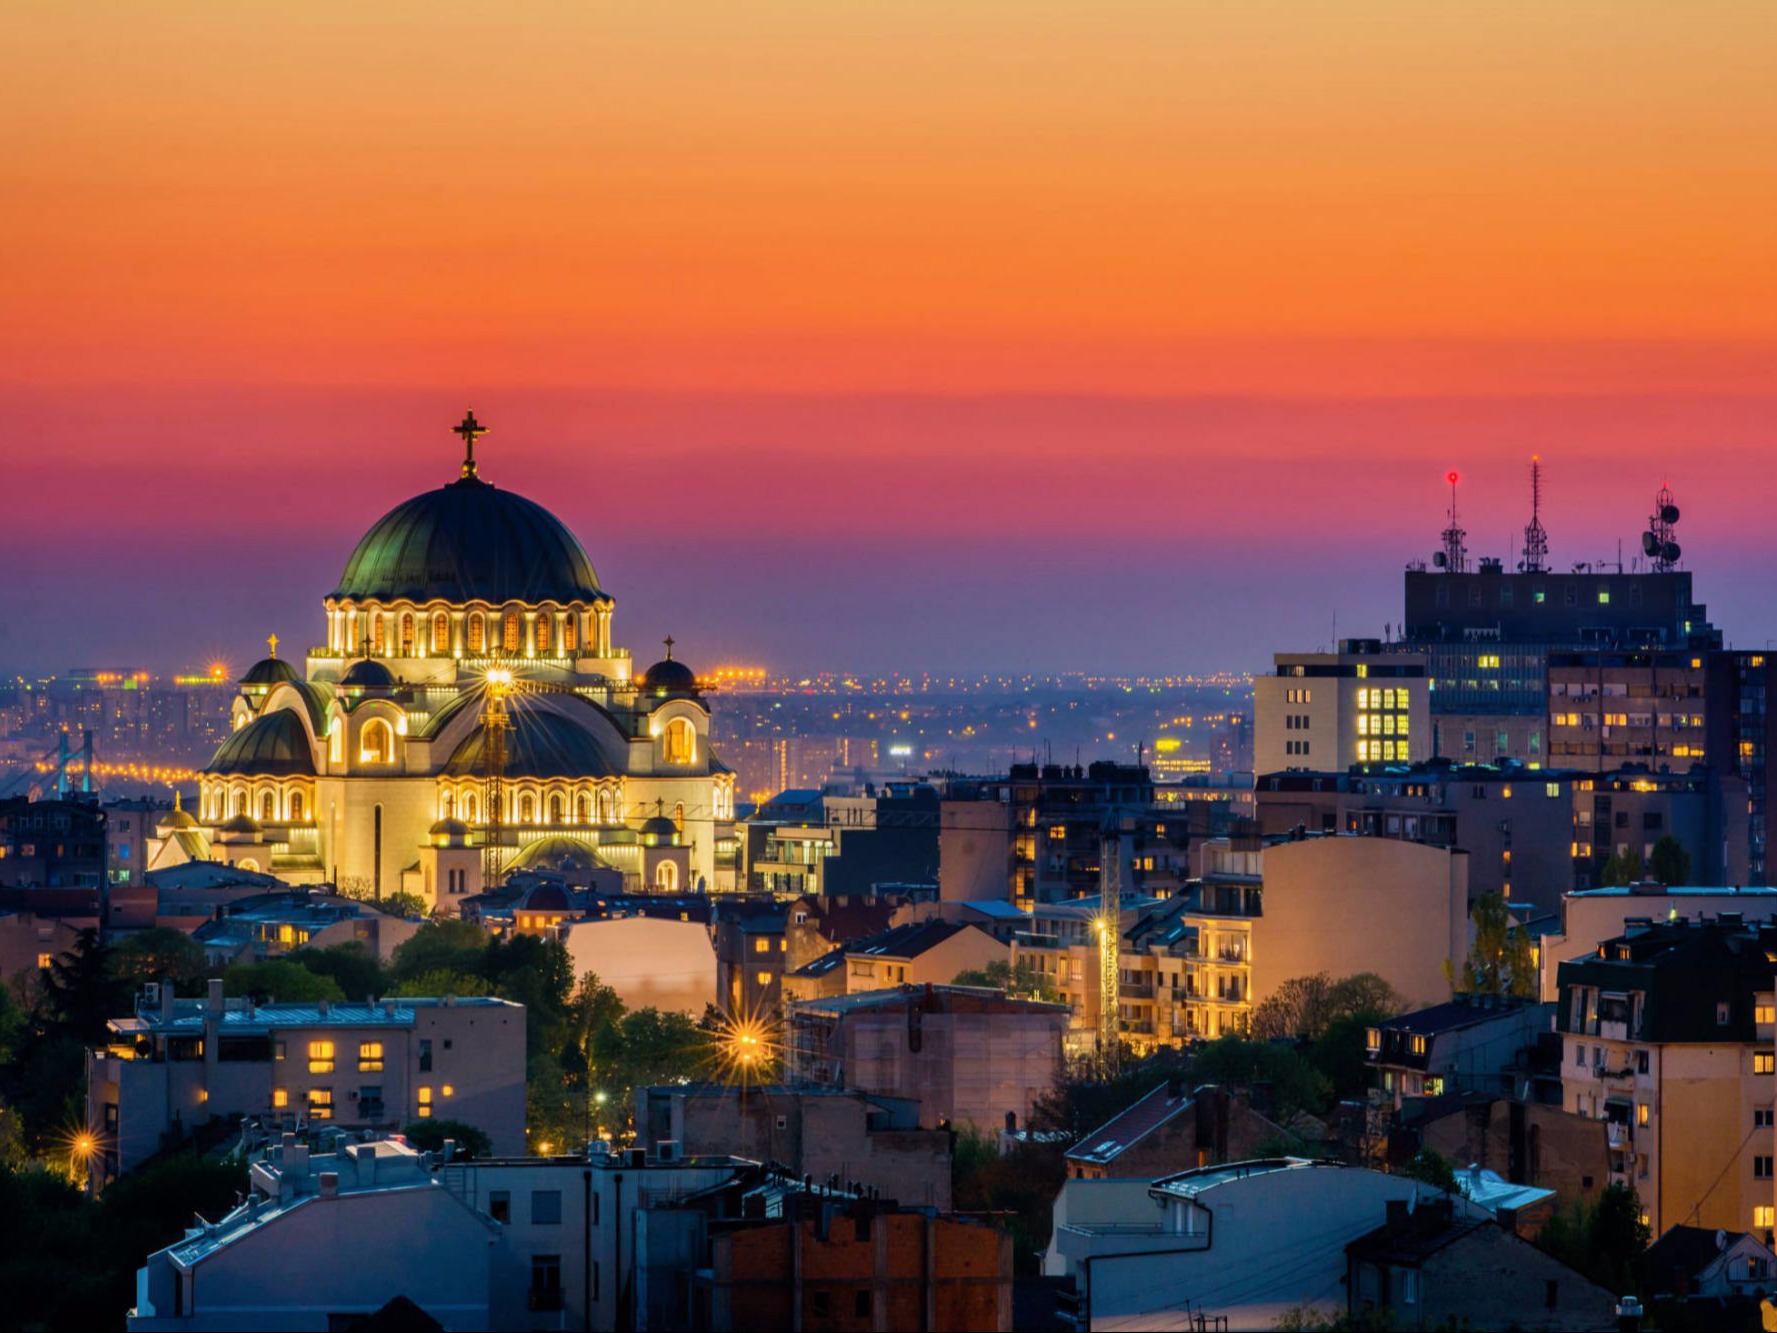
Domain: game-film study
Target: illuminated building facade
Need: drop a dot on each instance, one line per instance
(373, 765)
(1362, 704)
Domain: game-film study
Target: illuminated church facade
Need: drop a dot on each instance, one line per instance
(373, 766)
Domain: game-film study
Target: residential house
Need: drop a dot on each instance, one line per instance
(1475, 1043)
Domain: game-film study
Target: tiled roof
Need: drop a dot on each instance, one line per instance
(1122, 1132)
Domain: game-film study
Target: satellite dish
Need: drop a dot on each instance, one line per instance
(1650, 544)
(1669, 552)
(1668, 513)
(1439, 559)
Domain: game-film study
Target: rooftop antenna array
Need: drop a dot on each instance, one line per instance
(1536, 540)
(1453, 559)
(1657, 542)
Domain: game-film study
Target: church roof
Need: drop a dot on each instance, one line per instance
(271, 745)
(469, 541)
(270, 671)
(541, 743)
(369, 675)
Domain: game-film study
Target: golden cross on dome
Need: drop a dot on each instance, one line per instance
(471, 430)
(272, 643)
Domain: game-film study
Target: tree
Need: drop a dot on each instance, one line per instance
(431, 985)
(1499, 961)
(1023, 982)
(1604, 1241)
(81, 992)
(401, 904)
(1670, 863)
(645, 1048)
(447, 946)
(1433, 1169)
(358, 971)
(1624, 867)
(279, 980)
(1298, 1085)
(161, 954)
(1305, 1008)
(429, 1136)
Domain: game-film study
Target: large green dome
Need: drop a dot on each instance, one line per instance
(465, 542)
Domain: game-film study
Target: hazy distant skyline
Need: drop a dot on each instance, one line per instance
(1103, 336)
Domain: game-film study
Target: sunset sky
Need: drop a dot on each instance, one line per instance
(858, 334)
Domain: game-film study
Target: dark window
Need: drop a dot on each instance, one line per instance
(499, 1205)
(425, 1056)
(861, 1304)
(546, 1282)
(1552, 1293)
(820, 1304)
(1761, 1168)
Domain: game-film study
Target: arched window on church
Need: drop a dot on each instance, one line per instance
(510, 635)
(555, 809)
(527, 810)
(268, 808)
(570, 633)
(607, 806)
(239, 803)
(542, 632)
(440, 634)
(679, 742)
(407, 634)
(447, 809)
(666, 877)
(352, 633)
(679, 816)
(471, 809)
(376, 743)
(296, 807)
(582, 810)
(477, 632)
(378, 641)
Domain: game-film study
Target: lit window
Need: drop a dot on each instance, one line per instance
(1764, 1215)
(679, 743)
(320, 1057)
(448, 1090)
(764, 978)
(761, 945)
(370, 1057)
(425, 1099)
(1763, 1062)
(1764, 1013)
(1643, 1113)
(320, 1103)
(1418, 1045)
(376, 743)
(280, 1098)
(1604, 597)
(44, 960)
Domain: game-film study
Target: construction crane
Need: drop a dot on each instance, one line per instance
(496, 722)
(1109, 927)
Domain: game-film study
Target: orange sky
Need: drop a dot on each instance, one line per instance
(1147, 197)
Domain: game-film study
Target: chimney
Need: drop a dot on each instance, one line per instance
(215, 1003)
(166, 999)
(329, 1185)
(326, 1008)
(450, 1149)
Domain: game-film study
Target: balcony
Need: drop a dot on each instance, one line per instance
(1618, 1134)
(1136, 990)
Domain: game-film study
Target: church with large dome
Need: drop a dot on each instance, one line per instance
(468, 715)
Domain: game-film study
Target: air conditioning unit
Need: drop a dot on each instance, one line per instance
(151, 994)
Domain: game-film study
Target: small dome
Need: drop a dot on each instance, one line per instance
(449, 828)
(659, 829)
(241, 824)
(367, 675)
(544, 744)
(178, 818)
(270, 671)
(271, 745)
(668, 676)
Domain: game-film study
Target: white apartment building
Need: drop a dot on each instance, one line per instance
(177, 1064)
(1328, 711)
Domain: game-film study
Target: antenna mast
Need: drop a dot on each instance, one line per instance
(1657, 542)
(1453, 559)
(1536, 541)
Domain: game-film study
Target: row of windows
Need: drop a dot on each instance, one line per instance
(319, 1102)
(1382, 724)
(416, 635)
(1298, 696)
(1377, 699)
(222, 804)
(322, 1056)
(1379, 752)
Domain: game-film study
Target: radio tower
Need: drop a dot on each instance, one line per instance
(1536, 541)
(1454, 557)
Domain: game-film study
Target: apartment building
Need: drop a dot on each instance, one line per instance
(1362, 704)
(177, 1065)
(1668, 1032)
